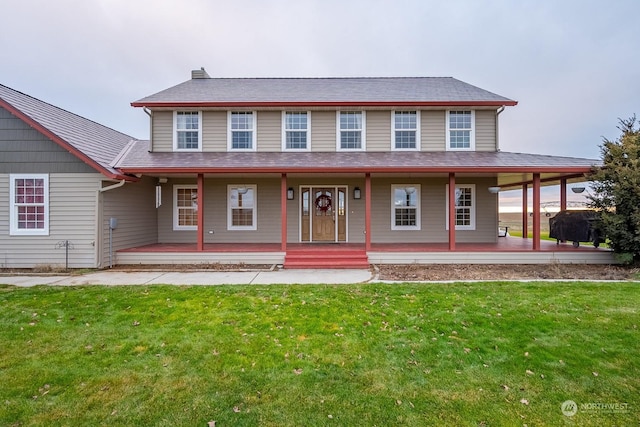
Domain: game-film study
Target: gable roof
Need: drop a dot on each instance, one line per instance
(354, 91)
(95, 144)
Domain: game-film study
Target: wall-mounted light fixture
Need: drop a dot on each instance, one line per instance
(494, 190)
(290, 193)
(162, 180)
(356, 193)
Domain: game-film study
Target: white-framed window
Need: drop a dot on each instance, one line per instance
(465, 203)
(29, 205)
(242, 130)
(405, 130)
(296, 130)
(242, 211)
(351, 135)
(405, 207)
(187, 131)
(185, 207)
(461, 130)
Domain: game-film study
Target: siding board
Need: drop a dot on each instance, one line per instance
(378, 131)
(323, 131)
(269, 131)
(485, 130)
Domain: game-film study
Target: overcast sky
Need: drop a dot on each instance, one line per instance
(573, 66)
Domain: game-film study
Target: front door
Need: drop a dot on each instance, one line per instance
(324, 215)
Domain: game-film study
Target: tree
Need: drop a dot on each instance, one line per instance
(616, 191)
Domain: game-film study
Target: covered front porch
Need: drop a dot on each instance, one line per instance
(506, 250)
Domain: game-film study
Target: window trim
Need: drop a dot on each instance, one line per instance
(472, 225)
(472, 135)
(363, 131)
(254, 131)
(254, 220)
(393, 130)
(418, 225)
(176, 216)
(175, 131)
(285, 130)
(13, 207)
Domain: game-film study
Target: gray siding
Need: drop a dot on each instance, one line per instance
(25, 150)
(269, 131)
(323, 131)
(72, 217)
(486, 130)
(214, 131)
(134, 206)
(162, 131)
(433, 130)
(378, 131)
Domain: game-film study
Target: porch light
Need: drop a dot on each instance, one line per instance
(356, 193)
(290, 193)
(578, 190)
(162, 180)
(494, 190)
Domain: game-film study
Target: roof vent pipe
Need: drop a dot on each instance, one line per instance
(200, 74)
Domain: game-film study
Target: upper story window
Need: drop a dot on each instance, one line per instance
(185, 207)
(465, 205)
(242, 213)
(242, 130)
(351, 130)
(29, 205)
(460, 130)
(405, 130)
(405, 210)
(296, 130)
(187, 134)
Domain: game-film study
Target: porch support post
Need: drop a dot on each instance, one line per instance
(452, 211)
(283, 212)
(536, 211)
(367, 212)
(525, 214)
(200, 212)
(563, 194)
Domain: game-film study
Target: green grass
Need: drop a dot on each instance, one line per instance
(357, 355)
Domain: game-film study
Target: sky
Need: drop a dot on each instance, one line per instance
(572, 65)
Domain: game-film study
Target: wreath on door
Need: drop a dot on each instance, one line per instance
(323, 202)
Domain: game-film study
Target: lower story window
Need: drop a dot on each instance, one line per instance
(185, 207)
(29, 204)
(405, 211)
(242, 212)
(465, 205)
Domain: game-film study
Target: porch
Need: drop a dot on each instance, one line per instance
(506, 250)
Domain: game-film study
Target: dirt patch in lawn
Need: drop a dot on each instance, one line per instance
(417, 272)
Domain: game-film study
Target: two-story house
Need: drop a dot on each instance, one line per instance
(311, 172)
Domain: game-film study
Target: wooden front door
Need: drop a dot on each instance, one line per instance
(324, 215)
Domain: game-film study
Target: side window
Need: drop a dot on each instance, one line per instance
(296, 129)
(242, 131)
(405, 208)
(465, 204)
(405, 130)
(351, 130)
(461, 130)
(187, 133)
(242, 207)
(29, 205)
(185, 207)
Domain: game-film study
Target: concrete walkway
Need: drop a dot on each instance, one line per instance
(118, 278)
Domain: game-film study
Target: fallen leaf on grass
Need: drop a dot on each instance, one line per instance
(595, 374)
(529, 372)
(504, 386)
(297, 371)
(524, 401)
(236, 409)
(211, 424)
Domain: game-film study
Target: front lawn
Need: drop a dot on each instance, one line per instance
(350, 355)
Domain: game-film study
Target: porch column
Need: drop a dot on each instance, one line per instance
(536, 211)
(563, 194)
(283, 212)
(200, 212)
(367, 212)
(525, 214)
(452, 211)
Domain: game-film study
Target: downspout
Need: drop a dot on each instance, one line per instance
(500, 110)
(100, 219)
(150, 114)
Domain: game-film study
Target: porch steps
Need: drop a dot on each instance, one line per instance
(323, 258)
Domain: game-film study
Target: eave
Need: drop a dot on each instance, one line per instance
(313, 104)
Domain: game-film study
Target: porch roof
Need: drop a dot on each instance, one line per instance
(511, 168)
